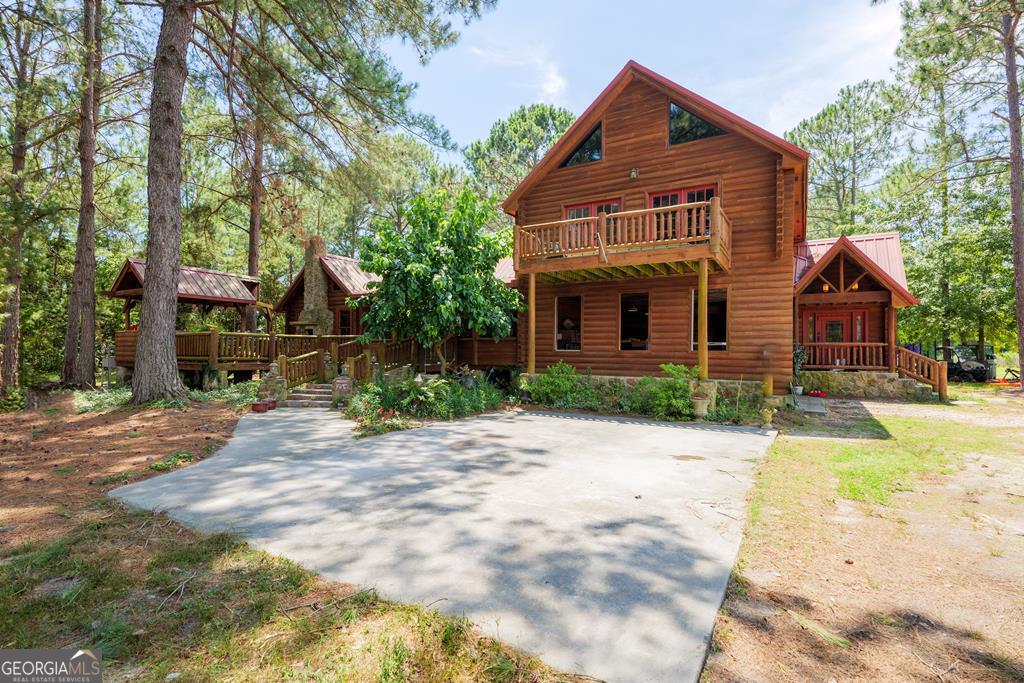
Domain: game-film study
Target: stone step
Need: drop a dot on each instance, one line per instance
(308, 397)
(314, 392)
(303, 403)
(325, 387)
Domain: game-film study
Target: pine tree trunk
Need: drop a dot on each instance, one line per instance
(10, 325)
(156, 367)
(79, 367)
(255, 214)
(1016, 173)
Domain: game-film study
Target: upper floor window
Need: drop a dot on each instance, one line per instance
(685, 126)
(588, 150)
(592, 209)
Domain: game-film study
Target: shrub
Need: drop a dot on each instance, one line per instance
(744, 408)
(672, 400)
(564, 388)
(438, 398)
(666, 398)
(12, 401)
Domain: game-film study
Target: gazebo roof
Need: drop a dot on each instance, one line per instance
(195, 285)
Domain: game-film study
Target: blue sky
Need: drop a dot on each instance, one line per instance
(774, 62)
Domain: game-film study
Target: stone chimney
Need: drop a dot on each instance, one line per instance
(315, 316)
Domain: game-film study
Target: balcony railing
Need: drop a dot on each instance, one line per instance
(681, 232)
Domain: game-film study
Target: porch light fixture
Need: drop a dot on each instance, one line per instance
(855, 286)
(825, 287)
(634, 173)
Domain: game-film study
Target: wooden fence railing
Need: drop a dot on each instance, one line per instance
(847, 356)
(303, 368)
(191, 346)
(924, 369)
(677, 225)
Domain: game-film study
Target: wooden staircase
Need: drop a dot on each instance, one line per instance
(309, 396)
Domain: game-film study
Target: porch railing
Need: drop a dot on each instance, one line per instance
(301, 369)
(924, 369)
(875, 356)
(678, 225)
(847, 356)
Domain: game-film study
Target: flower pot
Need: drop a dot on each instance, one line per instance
(259, 407)
(798, 390)
(271, 403)
(700, 407)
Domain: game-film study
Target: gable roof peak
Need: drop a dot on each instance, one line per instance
(631, 71)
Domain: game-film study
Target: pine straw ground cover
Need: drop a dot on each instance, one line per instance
(885, 542)
(78, 569)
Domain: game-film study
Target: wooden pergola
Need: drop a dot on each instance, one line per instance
(201, 287)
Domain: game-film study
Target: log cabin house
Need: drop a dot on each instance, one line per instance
(663, 228)
(659, 228)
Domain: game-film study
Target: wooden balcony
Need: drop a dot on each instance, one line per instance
(644, 243)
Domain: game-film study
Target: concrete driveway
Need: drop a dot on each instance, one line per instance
(601, 544)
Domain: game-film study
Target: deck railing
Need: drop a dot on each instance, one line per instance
(875, 356)
(692, 223)
(303, 368)
(924, 369)
(847, 356)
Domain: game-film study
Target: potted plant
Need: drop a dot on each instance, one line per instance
(700, 405)
(799, 358)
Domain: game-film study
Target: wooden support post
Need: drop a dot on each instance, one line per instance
(321, 365)
(127, 313)
(702, 319)
(531, 340)
(272, 352)
(716, 224)
(282, 366)
(890, 335)
(334, 352)
(214, 340)
(943, 380)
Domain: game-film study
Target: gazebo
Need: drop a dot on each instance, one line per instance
(201, 287)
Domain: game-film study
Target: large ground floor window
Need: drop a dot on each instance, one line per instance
(568, 323)
(634, 325)
(718, 320)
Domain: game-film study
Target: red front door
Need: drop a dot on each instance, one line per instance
(836, 327)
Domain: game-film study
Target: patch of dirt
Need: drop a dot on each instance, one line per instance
(53, 463)
(928, 588)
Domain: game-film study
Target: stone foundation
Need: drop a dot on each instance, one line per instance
(864, 384)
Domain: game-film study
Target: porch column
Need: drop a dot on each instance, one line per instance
(890, 334)
(702, 318)
(531, 339)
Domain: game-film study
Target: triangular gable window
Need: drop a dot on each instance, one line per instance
(685, 126)
(589, 150)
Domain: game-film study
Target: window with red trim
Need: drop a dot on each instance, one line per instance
(666, 224)
(592, 209)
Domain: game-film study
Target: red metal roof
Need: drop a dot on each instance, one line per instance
(194, 284)
(347, 274)
(582, 126)
(880, 250)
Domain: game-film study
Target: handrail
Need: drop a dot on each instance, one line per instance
(847, 355)
(923, 369)
(677, 225)
(302, 368)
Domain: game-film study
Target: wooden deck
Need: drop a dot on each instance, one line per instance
(239, 350)
(648, 242)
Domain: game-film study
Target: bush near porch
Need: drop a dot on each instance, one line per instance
(563, 387)
(386, 405)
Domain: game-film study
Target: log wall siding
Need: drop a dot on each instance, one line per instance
(760, 283)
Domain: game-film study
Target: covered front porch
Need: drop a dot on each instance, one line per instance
(846, 298)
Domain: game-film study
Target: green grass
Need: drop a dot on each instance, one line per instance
(64, 470)
(156, 599)
(171, 461)
(119, 478)
(238, 394)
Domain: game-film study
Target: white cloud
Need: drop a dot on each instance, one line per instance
(842, 47)
(532, 68)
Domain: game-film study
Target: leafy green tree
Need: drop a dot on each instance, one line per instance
(514, 146)
(850, 142)
(437, 278)
(973, 47)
